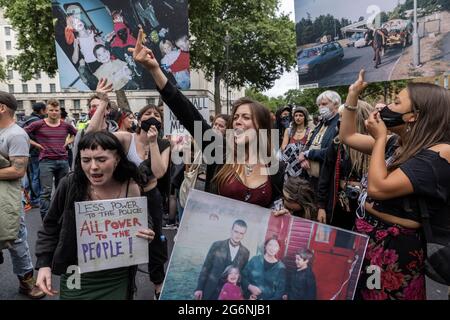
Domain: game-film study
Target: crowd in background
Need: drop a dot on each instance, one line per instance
(370, 169)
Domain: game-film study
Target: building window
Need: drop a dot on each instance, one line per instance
(8, 45)
(62, 103)
(39, 88)
(151, 101)
(7, 31)
(76, 104)
(10, 74)
(37, 76)
(52, 87)
(11, 88)
(20, 105)
(24, 88)
(8, 58)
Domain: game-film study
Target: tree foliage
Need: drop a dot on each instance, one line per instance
(36, 41)
(261, 45)
(376, 92)
(309, 31)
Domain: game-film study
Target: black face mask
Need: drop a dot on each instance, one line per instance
(133, 127)
(145, 125)
(392, 118)
(286, 122)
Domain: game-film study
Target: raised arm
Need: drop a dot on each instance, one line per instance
(347, 131)
(183, 109)
(97, 121)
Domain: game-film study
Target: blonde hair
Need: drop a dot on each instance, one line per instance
(360, 161)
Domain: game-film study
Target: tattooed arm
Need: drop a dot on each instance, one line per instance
(17, 169)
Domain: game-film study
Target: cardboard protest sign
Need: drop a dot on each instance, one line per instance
(106, 233)
(335, 39)
(172, 125)
(93, 38)
(222, 244)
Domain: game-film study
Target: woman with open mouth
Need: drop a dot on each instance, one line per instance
(102, 171)
(242, 173)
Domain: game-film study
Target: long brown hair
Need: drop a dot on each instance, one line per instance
(261, 119)
(431, 105)
(360, 161)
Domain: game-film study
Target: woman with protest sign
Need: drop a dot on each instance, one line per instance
(151, 154)
(102, 172)
(237, 170)
(402, 184)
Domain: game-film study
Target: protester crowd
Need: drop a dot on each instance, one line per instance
(381, 170)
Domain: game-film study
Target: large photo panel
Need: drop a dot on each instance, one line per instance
(336, 39)
(231, 250)
(93, 38)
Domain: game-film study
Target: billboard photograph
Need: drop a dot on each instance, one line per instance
(336, 39)
(93, 38)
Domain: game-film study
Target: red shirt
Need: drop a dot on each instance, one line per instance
(51, 138)
(235, 189)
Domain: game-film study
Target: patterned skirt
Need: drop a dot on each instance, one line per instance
(398, 252)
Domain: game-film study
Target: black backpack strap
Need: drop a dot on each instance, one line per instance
(425, 220)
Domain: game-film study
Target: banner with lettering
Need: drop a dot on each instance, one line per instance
(106, 233)
(172, 125)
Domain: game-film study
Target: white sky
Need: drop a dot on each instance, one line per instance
(288, 80)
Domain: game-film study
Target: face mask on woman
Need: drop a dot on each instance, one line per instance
(392, 118)
(145, 125)
(286, 121)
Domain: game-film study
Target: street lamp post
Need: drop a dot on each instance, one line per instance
(416, 40)
(227, 44)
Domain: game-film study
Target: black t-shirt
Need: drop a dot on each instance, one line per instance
(429, 174)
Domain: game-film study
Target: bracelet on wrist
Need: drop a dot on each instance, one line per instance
(350, 108)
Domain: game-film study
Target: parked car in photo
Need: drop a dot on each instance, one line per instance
(361, 43)
(354, 38)
(311, 62)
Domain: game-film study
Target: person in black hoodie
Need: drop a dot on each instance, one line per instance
(251, 178)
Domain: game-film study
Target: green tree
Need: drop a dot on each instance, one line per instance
(33, 19)
(261, 45)
(2, 71)
(270, 102)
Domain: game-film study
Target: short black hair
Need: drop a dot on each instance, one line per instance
(98, 47)
(38, 106)
(8, 100)
(240, 223)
